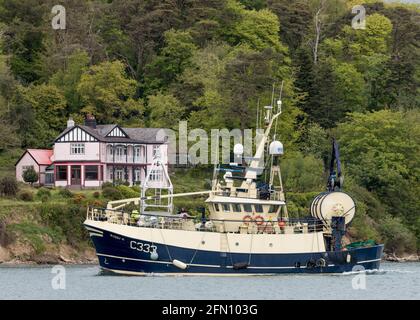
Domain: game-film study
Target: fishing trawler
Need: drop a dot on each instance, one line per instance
(247, 231)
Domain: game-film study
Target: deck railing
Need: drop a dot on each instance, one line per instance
(178, 222)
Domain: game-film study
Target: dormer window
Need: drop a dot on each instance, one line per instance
(77, 148)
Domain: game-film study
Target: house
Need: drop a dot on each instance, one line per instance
(85, 156)
(37, 159)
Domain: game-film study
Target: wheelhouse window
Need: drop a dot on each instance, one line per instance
(274, 208)
(236, 207)
(247, 208)
(259, 208)
(77, 148)
(61, 173)
(226, 208)
(216, 207)
(91, 172)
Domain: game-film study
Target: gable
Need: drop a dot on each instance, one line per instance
(25, 159)
(76, 135)
(117, 132)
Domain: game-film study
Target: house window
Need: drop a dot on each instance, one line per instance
(136, 153)
(61, 172)
(91, 172)
(119, 174)
(77, 148)
(137, 175)
(120, 153)
(156, 175)
(24, 168)
(156, 151)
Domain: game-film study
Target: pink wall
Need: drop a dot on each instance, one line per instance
(26, 160)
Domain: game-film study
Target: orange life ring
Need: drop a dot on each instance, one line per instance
(247, 220)
(281, 223)
(259, 220)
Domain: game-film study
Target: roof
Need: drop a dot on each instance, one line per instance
(135, 135)
(40, 156)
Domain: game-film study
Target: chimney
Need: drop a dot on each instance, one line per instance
(90, 121)
(70, 122)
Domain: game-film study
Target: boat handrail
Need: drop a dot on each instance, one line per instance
(100, 212)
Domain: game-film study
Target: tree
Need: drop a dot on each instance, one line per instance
(68, 79)
(38, 114)
(108, 93)
(381, 150)
(340, 90)
(23, 36)
(295, 21)
(165, 111)
(256, 29)
(30, 176)
(172, 60)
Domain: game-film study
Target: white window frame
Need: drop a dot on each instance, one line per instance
(137, 153)
(24, 168)
(137, 175)
(156, 151)
(119, 172)
(77, 148)
(156, 175)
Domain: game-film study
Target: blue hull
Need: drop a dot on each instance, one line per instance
(122, 255)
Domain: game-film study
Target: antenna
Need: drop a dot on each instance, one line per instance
(279, 110)
(258, 108)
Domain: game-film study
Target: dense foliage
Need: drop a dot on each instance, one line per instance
(153, 63)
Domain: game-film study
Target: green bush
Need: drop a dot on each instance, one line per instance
(107, 185)
(26, 196)
(121, 183)
(79, 198)
(112, 193)
(43, 193)
(30, 176)
(136, 189)
(127, 192)
(67, 219)
(8, 187)
(65, 193)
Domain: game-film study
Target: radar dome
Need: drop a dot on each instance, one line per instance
(276, 148)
